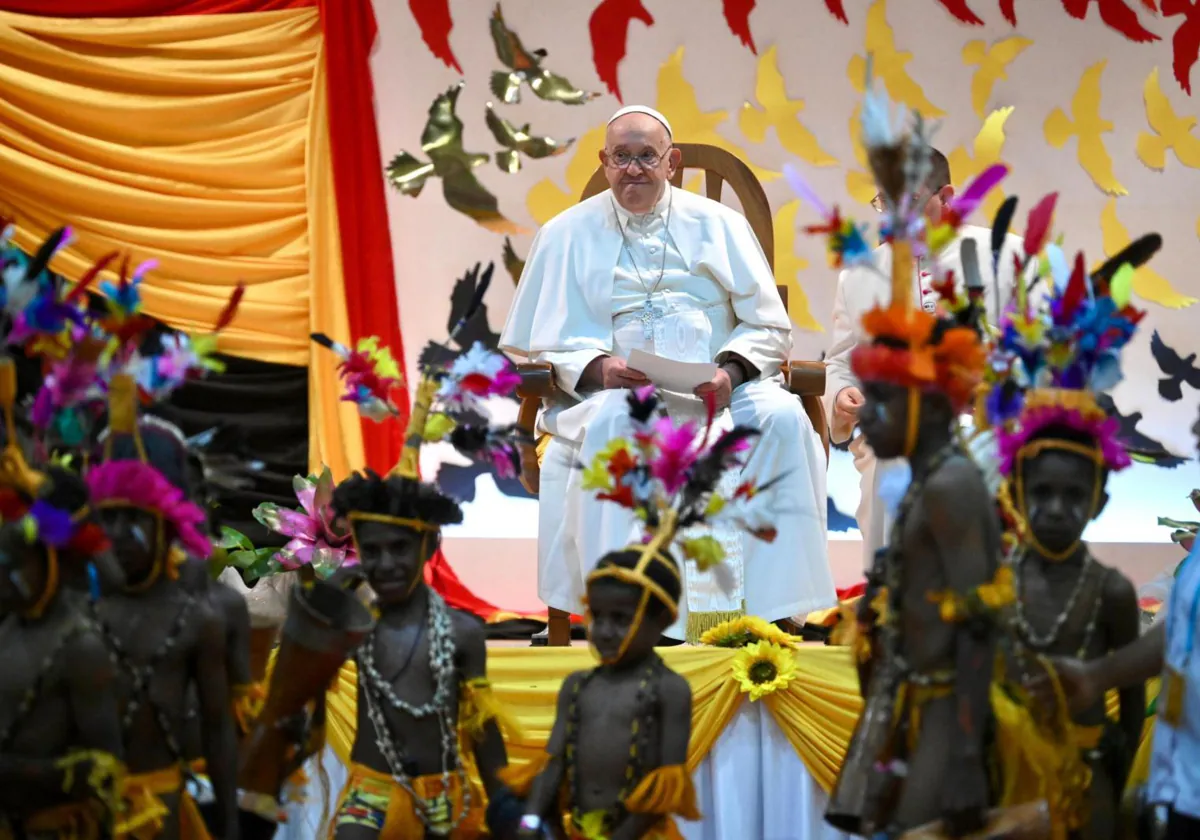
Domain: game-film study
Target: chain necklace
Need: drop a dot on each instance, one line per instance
(142, 673)
(650, 315)
(1045, 641)
(646, 702)
(36, 687)
(375, 688)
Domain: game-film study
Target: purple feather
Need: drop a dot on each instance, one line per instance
(802, 189)
(973, 194)
(53, 525)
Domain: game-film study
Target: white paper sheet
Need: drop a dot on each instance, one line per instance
(680, 377)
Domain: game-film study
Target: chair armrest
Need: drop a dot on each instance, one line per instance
(807, 379)
(537, 381)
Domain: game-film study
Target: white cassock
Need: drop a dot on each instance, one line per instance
(860, 289)
(581, 297)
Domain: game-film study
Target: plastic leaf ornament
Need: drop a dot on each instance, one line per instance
(316, 536)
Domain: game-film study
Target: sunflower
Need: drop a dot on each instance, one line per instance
(743, 630)
(763, 668)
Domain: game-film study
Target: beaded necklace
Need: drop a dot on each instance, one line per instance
(375, 689)
(647, 702)
(37, 686)
(1047, 640)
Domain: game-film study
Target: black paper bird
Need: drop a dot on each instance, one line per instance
(1141, 448)
(513, 264)
(525, 67)
(475, 329)
(1178, 370)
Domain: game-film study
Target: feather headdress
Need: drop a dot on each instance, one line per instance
(667, 474)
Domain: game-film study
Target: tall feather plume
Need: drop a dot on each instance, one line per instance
(1037, 228)
(1077, 288)
(1000, 225)
(476, 300)
(1135, 254)
(90, 277)
(48, 249)
(643, 403)
(707, 471)
(231, 308)
(329, 344)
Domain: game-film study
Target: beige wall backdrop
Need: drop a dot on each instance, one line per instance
(1068, 104)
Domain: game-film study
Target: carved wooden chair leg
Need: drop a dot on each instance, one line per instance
(560, 628)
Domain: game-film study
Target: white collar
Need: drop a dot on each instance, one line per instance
(658, 211)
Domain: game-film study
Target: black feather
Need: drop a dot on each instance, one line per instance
(642, 408)
(45, 251)
(477, 300)
(708, 469)
(324, 340)
(1000, 226)
(1136, 254)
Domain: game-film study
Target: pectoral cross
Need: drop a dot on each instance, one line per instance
(650, 318)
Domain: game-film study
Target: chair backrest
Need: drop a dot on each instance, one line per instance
(720, 167)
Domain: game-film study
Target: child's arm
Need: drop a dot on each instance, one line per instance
(216, 715)
(676, 722)
(1122, 617)
(542, 801)
(957, 508)
(490, 754)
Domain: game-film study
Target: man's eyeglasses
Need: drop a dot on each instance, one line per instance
(623, 159)
(880, 205)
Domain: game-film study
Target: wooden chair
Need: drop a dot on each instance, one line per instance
(805, 379)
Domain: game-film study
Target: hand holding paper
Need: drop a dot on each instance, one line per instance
(680, 377)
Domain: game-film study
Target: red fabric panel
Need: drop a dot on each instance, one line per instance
(370, 279)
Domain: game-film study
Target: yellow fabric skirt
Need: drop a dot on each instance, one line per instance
(146, 813)
(373, 799)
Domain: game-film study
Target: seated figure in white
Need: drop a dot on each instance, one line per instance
(647, 266)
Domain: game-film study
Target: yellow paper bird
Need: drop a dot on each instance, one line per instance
(1148, 284)
(986, 149)
(518, 141)
(889, 65)
(676, 99)
(780, 113)
(1088, 127)
(788, 265)
(993, 65)
(1170, 132)
(442, 142)
(860, 183)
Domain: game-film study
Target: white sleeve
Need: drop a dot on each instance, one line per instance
(569, 366)
(845, 337)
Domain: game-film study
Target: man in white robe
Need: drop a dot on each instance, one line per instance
(859, 289)
(647, 266)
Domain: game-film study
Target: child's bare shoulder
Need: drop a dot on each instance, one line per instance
(675, 690)
(1118, 589)
(467, 627)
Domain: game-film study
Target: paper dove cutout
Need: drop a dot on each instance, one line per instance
(889, 65)
(1088, 127)
(525, 68)
(1169, 131)
(780, 113)
(518, 141)
(442, 142)
(993, 63)
(986, 149)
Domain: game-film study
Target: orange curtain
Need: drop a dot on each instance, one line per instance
(201, 142)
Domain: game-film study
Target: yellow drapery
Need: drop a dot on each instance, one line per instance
(199, 141)
(816, 712)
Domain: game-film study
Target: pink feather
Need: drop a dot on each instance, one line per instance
(1038, 226)
(140, 485)
(972, 196)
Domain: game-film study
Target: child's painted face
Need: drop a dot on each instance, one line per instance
(393, 558)
(136, 537)
(883, 418)
(613, 614)
(1058, 493)
(22, 570)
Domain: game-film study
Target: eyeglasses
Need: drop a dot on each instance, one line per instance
(919, 199)
(623, 160)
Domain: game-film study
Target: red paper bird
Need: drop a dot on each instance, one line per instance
(1186, 43)
(609, 28)
(836, 9)
(1009, 10)
(433, 18)
(1116, 15)
(962, 12)
(737, 15)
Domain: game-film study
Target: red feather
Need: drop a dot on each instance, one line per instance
(1038, 226)
(87, 279)
(1116, 15)
(1009, 10)
(1186, 42)
(1076, 287)
(836, 9)
(12, 506)
(737, 15)
(231, 308)
(89, 540)
(433, 18)
(609, 28)
(962, 12)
